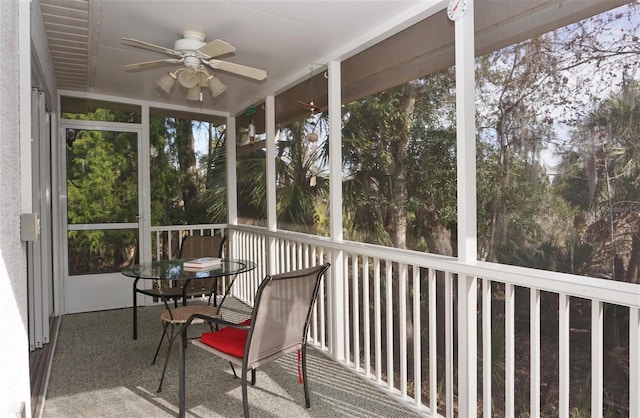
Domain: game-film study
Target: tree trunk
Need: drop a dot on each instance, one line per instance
(187, 162)
(435, 233)
(633, 271)
(399, 191)
(498, 231)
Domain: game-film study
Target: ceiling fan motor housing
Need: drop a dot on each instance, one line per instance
(191, 41)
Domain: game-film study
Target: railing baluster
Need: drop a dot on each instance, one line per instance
(433, 344)
(246, 285)
(634, 362)
(448, 315)
(534, 343)
(158, 245)
(417, 348)
(486, 349)
(378, 323)
(345, 301)
(509, 349)
(323, 312)
(170, 246)
(356, 311)
(597, 357)
(402, 325)
(366, 320)
(563, 359)
(388, 268)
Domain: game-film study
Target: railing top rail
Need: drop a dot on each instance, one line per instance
(610, 291)
(187, 227)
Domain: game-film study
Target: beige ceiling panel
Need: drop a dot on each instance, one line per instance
(54, 28)
(80, 39)
(65, 12)
(64, 21)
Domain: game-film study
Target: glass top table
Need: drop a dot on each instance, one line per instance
(170, 270)
(175, 270)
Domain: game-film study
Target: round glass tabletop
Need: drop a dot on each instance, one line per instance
(175, 269)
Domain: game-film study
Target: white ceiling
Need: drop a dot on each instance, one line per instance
(285, 38)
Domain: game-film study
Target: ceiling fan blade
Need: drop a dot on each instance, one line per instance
(152, 64)
(309, 106)
(238, 69)
(216, 48)
(147, 45)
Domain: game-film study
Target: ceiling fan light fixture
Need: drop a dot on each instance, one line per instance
(194, 93)
(167, 81)
(188, 77)
(196, 55)
(216, 86)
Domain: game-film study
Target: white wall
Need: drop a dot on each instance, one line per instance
(14, 345)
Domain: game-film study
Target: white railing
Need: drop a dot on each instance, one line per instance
(166, 240)
(390, 315)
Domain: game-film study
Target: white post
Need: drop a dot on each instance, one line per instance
(232, 184)
(272, 224)
(467, 228)
(144, 170)
(337, 283)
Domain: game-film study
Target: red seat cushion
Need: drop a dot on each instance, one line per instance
(229, 340)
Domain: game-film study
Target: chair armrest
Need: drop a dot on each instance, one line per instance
(213, 320)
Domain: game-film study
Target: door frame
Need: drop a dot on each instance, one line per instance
(73, 301)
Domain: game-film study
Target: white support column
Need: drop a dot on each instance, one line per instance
(272, 224)
(232, 183)
(144, 202)
(337, 284)
(232, 176)
(467, 227)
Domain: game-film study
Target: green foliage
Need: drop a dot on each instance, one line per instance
(185, 189)
(600, 180)
(401, 142)
(298, 199)
(102, 185)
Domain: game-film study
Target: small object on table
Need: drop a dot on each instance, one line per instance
(202, 262)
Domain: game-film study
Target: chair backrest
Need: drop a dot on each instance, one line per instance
(196, 246)
(281, 313)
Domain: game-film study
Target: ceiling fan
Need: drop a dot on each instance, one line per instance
(196, 56)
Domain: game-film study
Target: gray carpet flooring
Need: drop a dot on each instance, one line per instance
(98, 370)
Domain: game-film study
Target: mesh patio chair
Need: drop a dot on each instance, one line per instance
(278, 326)
(193, 246)
(196, 246)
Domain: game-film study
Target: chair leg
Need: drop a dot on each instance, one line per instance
(307, 400)
(253, 377)
(166, 360)
(233, 369)
(135, 309)
(164, 332)
(245, 397)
